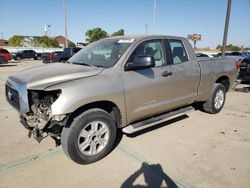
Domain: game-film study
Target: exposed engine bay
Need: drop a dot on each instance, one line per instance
(40, 120)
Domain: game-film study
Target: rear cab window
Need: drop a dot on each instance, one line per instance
(179, 54)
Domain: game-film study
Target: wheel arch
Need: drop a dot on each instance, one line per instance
(224, 80)
(105, 105)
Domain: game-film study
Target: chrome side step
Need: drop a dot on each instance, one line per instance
(155, 120)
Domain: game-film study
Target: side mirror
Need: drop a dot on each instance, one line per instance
(143, 61)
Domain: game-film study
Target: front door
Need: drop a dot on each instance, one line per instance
(148, 91)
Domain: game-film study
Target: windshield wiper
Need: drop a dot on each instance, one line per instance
(78, 63)
(100, 66)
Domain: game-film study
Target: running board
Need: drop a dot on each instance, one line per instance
(155, 120)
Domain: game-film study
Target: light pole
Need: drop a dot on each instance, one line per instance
(65, 23)
(154, 17)
(229, 2)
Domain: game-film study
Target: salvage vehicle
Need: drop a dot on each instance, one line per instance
(126, 83)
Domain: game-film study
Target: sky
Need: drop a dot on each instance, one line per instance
(173, 17)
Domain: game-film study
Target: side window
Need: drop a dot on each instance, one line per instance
(153, 48)
(179, 53)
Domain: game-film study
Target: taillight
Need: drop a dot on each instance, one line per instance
(51, 57)
(237, 64)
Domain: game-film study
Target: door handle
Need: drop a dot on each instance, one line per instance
(166, 73)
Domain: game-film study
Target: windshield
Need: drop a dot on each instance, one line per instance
(104, 53)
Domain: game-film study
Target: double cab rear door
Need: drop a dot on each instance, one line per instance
(172, 83)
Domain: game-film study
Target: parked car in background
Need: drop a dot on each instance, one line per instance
(68, 53)
(219, 54)
(244, 73)
(3, 60)
(55, 56)
(237, 55)
(59, 56)
(26, 54)
(39, 55)
(245, 54)
(4, 53)
(201, 55)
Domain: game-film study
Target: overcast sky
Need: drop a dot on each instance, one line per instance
(173, 17)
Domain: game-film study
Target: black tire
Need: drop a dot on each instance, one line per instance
(209, 106)
(70, 136)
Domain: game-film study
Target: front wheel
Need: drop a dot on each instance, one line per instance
(90, 137)
(217, 99)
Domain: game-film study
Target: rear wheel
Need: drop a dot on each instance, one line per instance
(217, 99)
(90, 137)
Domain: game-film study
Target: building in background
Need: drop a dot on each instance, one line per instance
(4, 42)
(61, 40)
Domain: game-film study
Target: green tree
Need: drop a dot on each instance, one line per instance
(219, 47)
(95, 34)
(118, 33)
(16, 40)
(231, 47)
(45, 41)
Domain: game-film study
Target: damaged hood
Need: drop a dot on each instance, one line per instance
(46, 75)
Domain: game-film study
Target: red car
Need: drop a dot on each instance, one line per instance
(4, 53)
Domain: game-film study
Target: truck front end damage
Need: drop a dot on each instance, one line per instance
(35, 111)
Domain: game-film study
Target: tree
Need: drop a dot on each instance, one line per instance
(45, 41)
(16, 40)
(219, 47)
(118, 33)
(229, 47)
(95, 34)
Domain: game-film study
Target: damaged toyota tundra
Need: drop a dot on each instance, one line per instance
(126, 83)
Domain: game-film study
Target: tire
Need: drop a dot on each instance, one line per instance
(217, 99)
(88, 131)
(18, 58)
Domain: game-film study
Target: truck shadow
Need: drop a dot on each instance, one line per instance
(158, 126)
(154, 176)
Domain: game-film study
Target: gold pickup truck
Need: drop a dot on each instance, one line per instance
(126, 83)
